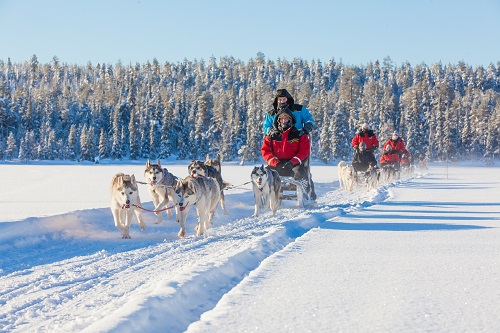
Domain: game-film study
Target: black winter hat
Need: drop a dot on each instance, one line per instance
(283, 93)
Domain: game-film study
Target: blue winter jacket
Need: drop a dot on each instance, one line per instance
(300, 112)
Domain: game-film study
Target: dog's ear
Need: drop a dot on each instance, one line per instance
(207, 158)
(190, 188)
(159, 164)
(132, 179)
(148, 164)
(219, 157)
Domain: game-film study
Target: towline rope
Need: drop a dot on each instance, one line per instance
(154, 211)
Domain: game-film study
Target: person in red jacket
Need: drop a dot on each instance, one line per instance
(366, 135)
(389, 159)
(396, 143)
(288, 148)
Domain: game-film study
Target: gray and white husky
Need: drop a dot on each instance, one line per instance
(204, 194)
(161, 184)
(200, 169)
(266, 189)
(124, 203)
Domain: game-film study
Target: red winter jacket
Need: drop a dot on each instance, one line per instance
(368, 137)
(390, 158)
(397, 145)
(292, 146)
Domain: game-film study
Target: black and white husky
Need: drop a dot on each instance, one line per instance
(124, 203)
(266, 189)
(161, 184)
(204, 194)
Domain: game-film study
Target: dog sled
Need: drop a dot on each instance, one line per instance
(300, 191)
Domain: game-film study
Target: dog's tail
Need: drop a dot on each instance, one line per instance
(226, 185)
(342, 164)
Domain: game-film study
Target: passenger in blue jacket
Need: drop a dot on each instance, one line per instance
(304, 120)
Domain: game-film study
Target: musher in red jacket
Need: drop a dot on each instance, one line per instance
(396, 143)
(366, 135)
(286, 150)
(390, 158)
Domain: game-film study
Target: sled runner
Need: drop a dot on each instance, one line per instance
(298, 190)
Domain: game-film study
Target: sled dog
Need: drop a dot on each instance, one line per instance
(214, 162)
(347, 175)
(390, 172)
(124, 202)
(202, 192)
(161, 185)
(371, 178)
(200, 169)
(266, 185)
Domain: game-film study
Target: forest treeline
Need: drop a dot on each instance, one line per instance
(193, 108)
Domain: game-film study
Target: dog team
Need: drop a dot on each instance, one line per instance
(203, 188)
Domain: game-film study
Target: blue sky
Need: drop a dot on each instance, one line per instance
(355, 32)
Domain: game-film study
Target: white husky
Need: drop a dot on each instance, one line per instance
(347, 175)
(161, 184)
(266, 189)
(124, 203)
(202, 192)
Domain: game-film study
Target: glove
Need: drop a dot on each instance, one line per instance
(308, 127)
(288, 166)
(272, 132)
(279, 165)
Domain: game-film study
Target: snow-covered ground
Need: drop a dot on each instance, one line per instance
(419, 254)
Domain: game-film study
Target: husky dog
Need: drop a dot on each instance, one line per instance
(202, 192)
(214, 162)
(124, 202)
(390, 172)
(372, 176)
(200, 169)
(161, 184)
(266, 185)
(347, 175)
